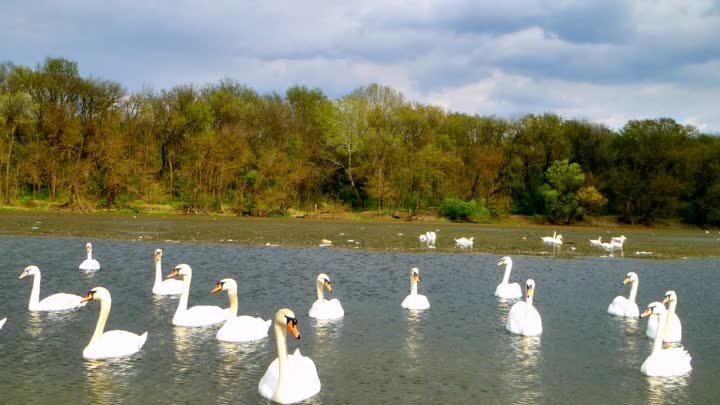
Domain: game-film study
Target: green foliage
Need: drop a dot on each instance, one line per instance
(560, 192)
(458, 210)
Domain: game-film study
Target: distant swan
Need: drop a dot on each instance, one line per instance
(293, 378)
(239, 328)
(505, 289)
(596, 242)
(168, 286)
(626, 307)
(415, 300)
(549, 239)
(113, 343)
(673, 327)
(322, 308)
(664, 362)
(2, 322)
(89, 263)
(464, 242)
(199, 315)
(55, 302)
(523, 318)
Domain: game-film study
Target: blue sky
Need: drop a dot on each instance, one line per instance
(606, 61)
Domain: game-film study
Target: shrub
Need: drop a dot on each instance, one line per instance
(458, 210)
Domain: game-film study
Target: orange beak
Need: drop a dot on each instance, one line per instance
(292, 328)
(647, 312)
(217, 289)
(416, 277)
(666, 300)
(174, 273)
(626, 280)
(87, 297)
(328, 285)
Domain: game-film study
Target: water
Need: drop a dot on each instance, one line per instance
(457, 352)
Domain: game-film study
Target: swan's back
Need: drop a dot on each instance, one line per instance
(327, 309)
(89, 264)
(115, 343)
(618, 306)
(508, 290)
(667, 363)
(58, 302)
(524, 319)
(417, 301)
(200, 315)
(243, 329)
(168, 287)
(302, 381)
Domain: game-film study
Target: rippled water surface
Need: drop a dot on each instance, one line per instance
(457, 352)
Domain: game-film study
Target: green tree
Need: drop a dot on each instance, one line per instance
(564, 179)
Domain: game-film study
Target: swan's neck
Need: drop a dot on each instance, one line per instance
(320, 293)
(669, 320)
(506, 276)
(185, 295)
(233, 296)
(528, 303)
(662, 321)
(89, 257)
(413, 286)
(105, 305)
(633, 291)
(35, 293)
(158, 273)
(280, 342)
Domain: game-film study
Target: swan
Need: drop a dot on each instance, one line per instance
(168, 286)
(89, 263)
(199, 315)
(322, 308)
(238, 328)
(673, 327)
(627, 307)
(431, 236)
(608, 246)
(55, 302)
(618, 242)
(664, 362)
(464, 242)
(505, 289)
(523, 318)
(596, 242)
(113, 343)
(292, 378)
(549, 239)
(2, 322)
(423, 238)
(415, 300)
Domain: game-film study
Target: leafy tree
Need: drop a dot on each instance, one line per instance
(564, 179)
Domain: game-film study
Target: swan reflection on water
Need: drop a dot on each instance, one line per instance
(525, 357)
(109, 380)
(414, 339)
(238, 365)
(668, 390)
(327, 334)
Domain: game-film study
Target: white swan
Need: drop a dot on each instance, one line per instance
(465, 242)
(596, 242)
(673, 327)
(549, 239)
(523, 318)
(664, 362)
(55, 302)
(617, 242)
(288, 379)
(89, 263)
(415, 300)
(113, 343)
(239, 328)
(199, 315)
(322, 308)
(168, 286)
(505, 289)
(626, 307)
(2, 322)
(423, 238)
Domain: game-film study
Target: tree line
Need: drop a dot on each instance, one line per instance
(86, 143)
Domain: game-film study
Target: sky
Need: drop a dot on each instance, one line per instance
(605, 61)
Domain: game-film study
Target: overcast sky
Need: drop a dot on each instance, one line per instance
(607, 61)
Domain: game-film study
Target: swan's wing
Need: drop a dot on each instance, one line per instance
(516, 318)
(326, 310)
(2, 322)
(618, 306)
(674, 333)
(509, 291)
(169, 287)
(533, 322)
(115, 343)
(268, 383)
(667, 363)
(200, 315)
(652, 324)
(59, 302)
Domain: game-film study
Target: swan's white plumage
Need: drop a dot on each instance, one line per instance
(664, 362)
(322, 308)
(506, 289)
(465, 242)
(55, 302)
(199, 315)
(168, 286)
(293, 378)
(524, 319)
(239, 328)
(415, 300)
(89, 263)
(113, 343)
(621, 306)
(673, 326)
(2, 322)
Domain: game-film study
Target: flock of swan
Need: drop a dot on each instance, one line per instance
(293, 377)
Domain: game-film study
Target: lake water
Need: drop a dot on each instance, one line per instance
(457, 352)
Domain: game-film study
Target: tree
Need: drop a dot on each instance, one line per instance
(16, 109)
(560, 192)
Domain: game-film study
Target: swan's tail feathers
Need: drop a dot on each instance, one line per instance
(268, 323)
(143, 338)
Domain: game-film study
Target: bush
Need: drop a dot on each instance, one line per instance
(458, 210)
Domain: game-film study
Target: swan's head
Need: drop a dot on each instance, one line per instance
(654, 308)
(415, 274)
(530, 288)
(559, 237)
(88, 247)
(630, 278)
(505, 261)
(670, 296)
(180, 270)
(225, 284)
(158, 254)
(286, 317)
(324, 281)
(97, 293)
(29, 271)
